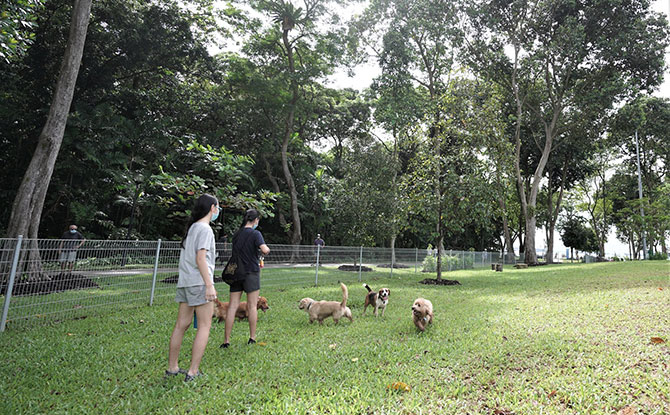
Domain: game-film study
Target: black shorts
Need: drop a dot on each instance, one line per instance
(249, 284)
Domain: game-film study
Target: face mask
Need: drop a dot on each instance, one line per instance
(215, 216)
(73, 231)
(255, 226)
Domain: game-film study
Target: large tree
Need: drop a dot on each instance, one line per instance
(564, 55)
(29, 201)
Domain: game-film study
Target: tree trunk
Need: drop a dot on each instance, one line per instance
(276, 189)
(393, 238)
(296, 234)
(29, 201)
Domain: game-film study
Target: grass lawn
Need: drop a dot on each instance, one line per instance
(566, 339)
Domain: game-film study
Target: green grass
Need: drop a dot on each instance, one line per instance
(569, 339)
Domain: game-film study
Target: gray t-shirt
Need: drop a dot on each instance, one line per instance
(200, 236)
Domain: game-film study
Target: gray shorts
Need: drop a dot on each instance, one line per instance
(193, 296)
(68, 256)
(250, 284)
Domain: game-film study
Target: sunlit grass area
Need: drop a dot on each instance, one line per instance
(567, 339)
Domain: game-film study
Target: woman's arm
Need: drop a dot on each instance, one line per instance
(264, 249)
(201, 261)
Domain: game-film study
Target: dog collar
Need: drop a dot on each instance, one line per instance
(309, 305)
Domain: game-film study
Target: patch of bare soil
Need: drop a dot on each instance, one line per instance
(52, 284)
(435, 281)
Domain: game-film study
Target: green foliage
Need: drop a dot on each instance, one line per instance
(17, 24)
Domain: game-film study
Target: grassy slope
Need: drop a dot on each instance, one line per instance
(561, 339)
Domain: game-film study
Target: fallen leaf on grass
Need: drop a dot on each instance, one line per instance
(355, 359)
(333, 346)
(503, 412)
(262, 344)
(70, 334)
(660, 288)
(77, 307)
(551, 394)
(399, 386)
(627, 410)
(657, 340)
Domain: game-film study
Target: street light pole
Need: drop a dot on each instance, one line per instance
(639, 188)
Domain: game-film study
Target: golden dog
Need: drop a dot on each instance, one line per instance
(422, 313)
(221, 309)
(319, 310)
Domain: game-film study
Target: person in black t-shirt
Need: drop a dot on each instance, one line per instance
(67, 249)
(319, 241)
(247, 242)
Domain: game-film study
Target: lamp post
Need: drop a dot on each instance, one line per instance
(639, 187)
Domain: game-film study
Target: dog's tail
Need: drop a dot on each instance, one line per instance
(345, 295)
(367, 287)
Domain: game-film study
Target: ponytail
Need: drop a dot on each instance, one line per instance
(249, 216)
(202, 207)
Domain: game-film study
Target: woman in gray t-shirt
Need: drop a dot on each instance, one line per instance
(195, 288)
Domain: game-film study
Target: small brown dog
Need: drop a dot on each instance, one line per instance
(319, 310)
(221, 309)
(422, 313)
(377, 299)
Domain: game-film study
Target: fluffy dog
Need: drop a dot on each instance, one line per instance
(221, 309)
(422, 313)
(319, 310)
(377, 299)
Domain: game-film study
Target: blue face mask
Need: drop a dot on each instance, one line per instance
(73, 231)
(216, 215)
(255, 226)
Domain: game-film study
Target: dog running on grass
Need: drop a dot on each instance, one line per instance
(319, 310)
(378, 299)
(422, 313)
(221, 309)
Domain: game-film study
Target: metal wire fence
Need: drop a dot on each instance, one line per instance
(51, 280)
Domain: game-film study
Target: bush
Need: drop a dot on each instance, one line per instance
(658, 256)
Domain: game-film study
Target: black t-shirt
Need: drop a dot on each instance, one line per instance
(72, 243)
(251, 240)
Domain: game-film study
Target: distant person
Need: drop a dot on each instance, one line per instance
(318, 241)
(67, 250)
(195, 287)
(247, 244)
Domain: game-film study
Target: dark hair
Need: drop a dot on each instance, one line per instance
(249, 216)
(202, 207)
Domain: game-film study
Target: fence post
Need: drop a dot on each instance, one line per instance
(360, 264)
(318, 253)
(416, 258)
(10, 284)
(153, 280)
(392, 258)
(450, 255)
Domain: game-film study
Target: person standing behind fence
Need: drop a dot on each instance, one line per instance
(195, 287)
(247, 241)
(318, 241)
(67, 249)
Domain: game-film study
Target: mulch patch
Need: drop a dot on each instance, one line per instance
(354, 268)
(173, 279)
(435, 281)
(47, 285)
(394, 266)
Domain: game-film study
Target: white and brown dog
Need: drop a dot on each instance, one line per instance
(422, 313)
(378, 299)
(319, 310)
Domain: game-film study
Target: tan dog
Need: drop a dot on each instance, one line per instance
(422, 313)
(221, 309)
(377, 299)
(319, 310)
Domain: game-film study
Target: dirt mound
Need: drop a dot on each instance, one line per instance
(394, 266)
(435, 281)
(354, 268)
(53, 284)
(173, 279)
